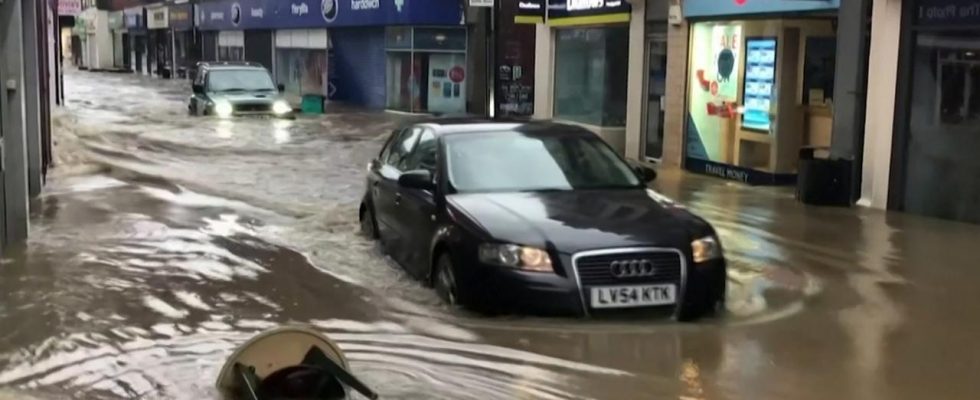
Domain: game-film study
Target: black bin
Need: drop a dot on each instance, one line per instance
(823, 181)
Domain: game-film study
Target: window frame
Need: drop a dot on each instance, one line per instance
(412, 157)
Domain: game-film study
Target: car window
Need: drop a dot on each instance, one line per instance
(402, 147)
(200, 78)
(386, 150)
(518, 161)
(224, 80)
(424, 156)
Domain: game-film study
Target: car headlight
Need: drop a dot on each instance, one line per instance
(223, 109)
(706, 249)
(280, 107)
(520, 257)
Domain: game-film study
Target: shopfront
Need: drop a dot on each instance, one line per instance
(301, 63)
(758, 90)
(117, 29)
(654, 96)
(356, 49)
(134, 40)
(590, 43)
(160, 41)
(935, 166)
(186, 41)
(514, 80)
(426, 69)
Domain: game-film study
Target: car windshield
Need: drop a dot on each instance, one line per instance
(228, 80)
(515, 161)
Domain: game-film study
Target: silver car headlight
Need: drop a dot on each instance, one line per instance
(514, 256)
(706, 249)
(280, 107)
(223, 108)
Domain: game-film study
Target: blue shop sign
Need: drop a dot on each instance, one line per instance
(285, 14)
(948, 12)
(715, 8)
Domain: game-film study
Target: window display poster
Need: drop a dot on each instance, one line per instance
(760, 78)
(302, 72)
(716, 51)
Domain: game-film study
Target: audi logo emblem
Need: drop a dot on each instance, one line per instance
(632, 268)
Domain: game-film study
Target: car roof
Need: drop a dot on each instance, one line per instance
(229, 65)
(452, 126)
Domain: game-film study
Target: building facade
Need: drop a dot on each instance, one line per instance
(404, 56)
(27, 52)
(922, 147)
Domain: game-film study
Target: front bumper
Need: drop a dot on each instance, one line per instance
(505, 290)
(498, 289)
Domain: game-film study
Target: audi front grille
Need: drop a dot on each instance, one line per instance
(625, 268)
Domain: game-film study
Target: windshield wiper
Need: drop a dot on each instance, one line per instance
(235, 90)
(545, 190)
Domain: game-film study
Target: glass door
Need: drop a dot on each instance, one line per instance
(656, 89)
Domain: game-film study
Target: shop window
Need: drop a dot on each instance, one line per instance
(439, 39)
(398, 37)
(942, 167)
(590, 75)
(302, 72)
(429, 75)
(401, 82)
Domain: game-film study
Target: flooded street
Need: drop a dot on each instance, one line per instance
(164, 241)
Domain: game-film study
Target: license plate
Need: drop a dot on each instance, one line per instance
(633, 296)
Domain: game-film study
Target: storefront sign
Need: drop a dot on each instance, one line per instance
(530, 12)
(133, 19)
(572, 12)
(286, 14)
(116, 20)
(69, 7)
(713, 8)
(157, 18)
(587, 12)
(945, 12)
(181, 17)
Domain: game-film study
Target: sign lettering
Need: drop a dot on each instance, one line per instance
(365, 4)
(575, 5)
(300, 9)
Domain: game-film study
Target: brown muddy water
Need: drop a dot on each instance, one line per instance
(195, 234)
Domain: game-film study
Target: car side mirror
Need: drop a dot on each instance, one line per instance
(281, 88)
(197, 88)
(418, 179)
(646, 173)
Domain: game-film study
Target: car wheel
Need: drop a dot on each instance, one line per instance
(445, 280)
(369, 226)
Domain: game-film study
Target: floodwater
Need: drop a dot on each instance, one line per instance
(163, 241)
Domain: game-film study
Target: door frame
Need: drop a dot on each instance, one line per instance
(648, 41)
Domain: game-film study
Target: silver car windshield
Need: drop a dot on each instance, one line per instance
(515, 161)
(229, 80)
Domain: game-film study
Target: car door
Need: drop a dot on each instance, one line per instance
(385, 191)
(416, 216)
(199, 100)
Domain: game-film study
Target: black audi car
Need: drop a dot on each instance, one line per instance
(538, 218)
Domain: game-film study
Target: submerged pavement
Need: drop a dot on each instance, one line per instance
(163, 241)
